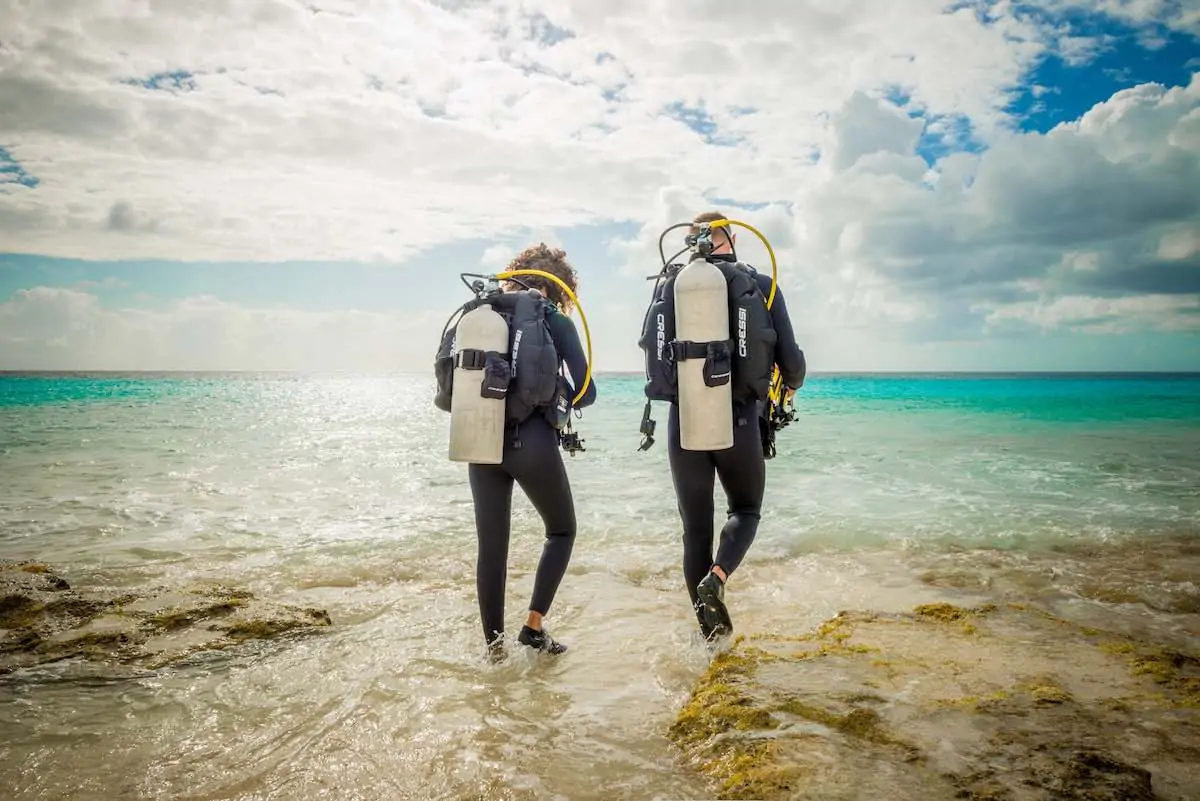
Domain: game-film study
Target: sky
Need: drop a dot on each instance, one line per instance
(297, 184)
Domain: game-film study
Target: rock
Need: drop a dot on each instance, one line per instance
(947, 702)
(43, 619)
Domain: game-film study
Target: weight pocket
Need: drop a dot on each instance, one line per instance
(718, 364)
(497, 373)
(558, 412)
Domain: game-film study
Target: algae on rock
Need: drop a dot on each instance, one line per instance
(43, 619)
(946, 702)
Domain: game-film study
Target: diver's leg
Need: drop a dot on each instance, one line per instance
(742, 470)
(538, 467)
(491, 489)
(743, 473)
(693, 476)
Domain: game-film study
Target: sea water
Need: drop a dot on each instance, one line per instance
(335, 491)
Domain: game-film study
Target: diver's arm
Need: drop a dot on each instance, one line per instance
(566, 341)
(788, 355)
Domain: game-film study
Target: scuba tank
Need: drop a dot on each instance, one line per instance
(505, 364)
(481, 378)
(704, 364)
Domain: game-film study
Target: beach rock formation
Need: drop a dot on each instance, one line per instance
(999, 701)
(43, 619)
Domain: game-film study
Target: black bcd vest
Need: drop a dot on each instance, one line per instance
(747, 357)
(526, 375)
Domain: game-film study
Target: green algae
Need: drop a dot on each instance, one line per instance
(257, 629)
(755, 736)
(862, 723)
(1045, 691)
(718, 705)
(1169, 669)
(752, 771)
(172, 619)
(830, 639)
(20, 640)
(974, 703)
(1110, 595)
(949, 613)
(941, 611)
(44, 620)
(722, 724)
(19, 611)
(743, 767)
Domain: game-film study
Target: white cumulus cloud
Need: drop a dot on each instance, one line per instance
(365, 130)
(51, 328)
(274, 129)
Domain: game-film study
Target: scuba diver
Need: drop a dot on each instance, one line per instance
(536, 401)
(745, 360)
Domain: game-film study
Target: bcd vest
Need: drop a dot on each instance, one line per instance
(526, 375)
(751, 349)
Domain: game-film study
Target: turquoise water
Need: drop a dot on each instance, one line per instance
(335, 491)
(996, 458)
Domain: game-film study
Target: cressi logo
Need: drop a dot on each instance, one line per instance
(660, 338)
(742, 331)
(516, 347)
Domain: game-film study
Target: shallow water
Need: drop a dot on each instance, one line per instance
(334, 491)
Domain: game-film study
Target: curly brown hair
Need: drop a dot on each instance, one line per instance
(548, 260)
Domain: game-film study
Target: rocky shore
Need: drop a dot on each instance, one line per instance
(44, 619)
(995, 701)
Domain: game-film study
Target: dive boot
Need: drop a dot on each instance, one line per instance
(540, 641)
(496, 652)
(712, 597)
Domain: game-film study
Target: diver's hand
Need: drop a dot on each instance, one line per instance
(789, 393)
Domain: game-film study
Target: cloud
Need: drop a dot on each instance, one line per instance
(874, 145)
(1091, 226)
(1121, 185)
(1102, 315)
(1147, 16)
(274, 129)
(51, 328)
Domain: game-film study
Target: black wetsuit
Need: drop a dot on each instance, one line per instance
(741, 468)
(538, 467)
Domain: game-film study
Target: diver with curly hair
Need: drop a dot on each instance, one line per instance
(533, 460)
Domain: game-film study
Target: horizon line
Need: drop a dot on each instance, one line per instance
(615, 373)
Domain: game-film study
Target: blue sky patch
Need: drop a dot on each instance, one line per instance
(745, 205)
(540, 29)
(175, 81)
(942, 135)
(945, 135)
(701, 122)
(1102, 57)
(307, 285)
(11, 171)
(302, 285)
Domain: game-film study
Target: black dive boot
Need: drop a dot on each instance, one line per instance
(712, 597)
(705, 630)
(540, 641)
(496, 652)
